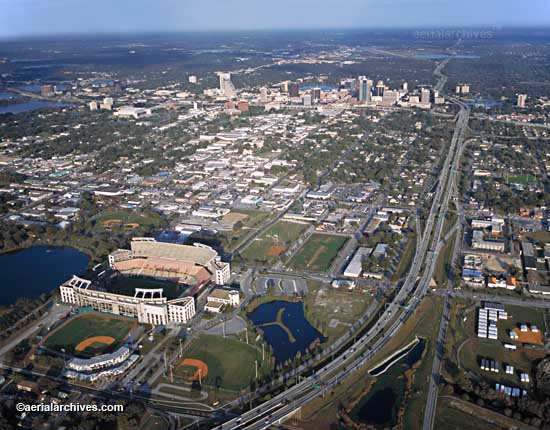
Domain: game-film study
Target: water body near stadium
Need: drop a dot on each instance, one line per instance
(36, 270)
(285, 328)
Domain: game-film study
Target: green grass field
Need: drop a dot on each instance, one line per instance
(124, 219)
(522, 179)
(254, 219)
(318, 253)
(273, 242)
(84, 326)
(230, 362)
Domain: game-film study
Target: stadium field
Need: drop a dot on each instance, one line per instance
(318, 253)
(273, 242)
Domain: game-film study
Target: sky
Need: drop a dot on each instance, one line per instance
(19, 18)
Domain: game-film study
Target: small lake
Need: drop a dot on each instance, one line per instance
(32, 105)
(36, 270)
(380, 406)
(293, 318)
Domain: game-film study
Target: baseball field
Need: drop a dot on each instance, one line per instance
(89, 334)
(273, 242)
(318, 253)
(219, 362)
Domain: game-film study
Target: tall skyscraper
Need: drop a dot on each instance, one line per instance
(522, 98)
(365, 89)
(380, 88)
(294, 89)
(284, 86)
(263, 94)
(117, 88)
(425, 95)
(227, 88)
(405, 87)
(316, 94)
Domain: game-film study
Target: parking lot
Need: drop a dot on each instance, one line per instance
(280, 285)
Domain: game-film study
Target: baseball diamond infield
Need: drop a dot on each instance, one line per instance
(105, 340)
(199, 366)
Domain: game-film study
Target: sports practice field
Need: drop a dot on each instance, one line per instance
(126, 220)
(318, 252)
(89, 334)
(273, 242)
(225, 363)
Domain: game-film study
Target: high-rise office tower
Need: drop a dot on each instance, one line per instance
(380, 88)
(284, 86)
(316, 94)
(522, 98)
(227, 88)
(294, 89)
(263, 94)
(425, 95)
(117, 88)
(365, 89)
(405, 87)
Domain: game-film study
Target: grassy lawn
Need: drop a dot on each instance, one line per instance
(406, 258)
(230, 362)
(324, 304)
(84, 326)
(318, 252)
(248, 220)
(443, 262)
(521, 179)
(449, 418)
(273, 242)
(127, 220)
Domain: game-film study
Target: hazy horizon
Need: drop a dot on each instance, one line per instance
(32, 18)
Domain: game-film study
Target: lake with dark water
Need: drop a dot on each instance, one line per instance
(380, 406)
(292, 316)
(32, 105)
(36, 270)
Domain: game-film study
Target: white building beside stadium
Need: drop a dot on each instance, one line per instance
(218, 298)
(147, 305)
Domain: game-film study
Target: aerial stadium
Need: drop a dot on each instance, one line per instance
(191, 267)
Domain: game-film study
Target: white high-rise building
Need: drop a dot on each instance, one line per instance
(425, 95)
(522, 98)
(192, 79)
(227, 88)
